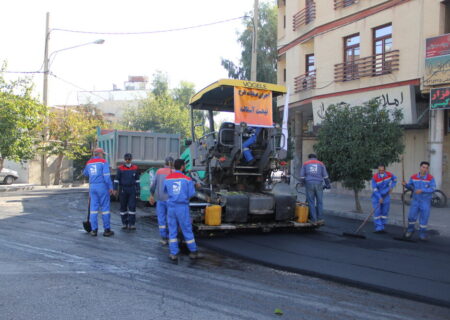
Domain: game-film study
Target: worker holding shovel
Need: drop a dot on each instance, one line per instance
(383, 182)
(100, 188)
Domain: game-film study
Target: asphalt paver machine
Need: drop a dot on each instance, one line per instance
(235, 162)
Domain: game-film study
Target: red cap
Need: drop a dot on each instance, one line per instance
(99, 150)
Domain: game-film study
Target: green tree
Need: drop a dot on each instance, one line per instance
(354, 140)
(164, 110)
(266, 50)
(70, 132)
(21, 119)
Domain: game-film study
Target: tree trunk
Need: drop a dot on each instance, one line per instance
(59, 161)
(1, 164)
(358, 207)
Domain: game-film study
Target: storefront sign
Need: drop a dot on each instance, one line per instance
(438, 46)
(402, 98)
(253, 106)
(437, 60)
(440, 98)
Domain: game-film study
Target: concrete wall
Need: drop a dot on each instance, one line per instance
(30, 171)
(34, 171)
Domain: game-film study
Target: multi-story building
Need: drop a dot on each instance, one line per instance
(114, 103)
(333, 51)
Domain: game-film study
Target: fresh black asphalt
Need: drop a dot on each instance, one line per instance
(51, 269)
(415, 270)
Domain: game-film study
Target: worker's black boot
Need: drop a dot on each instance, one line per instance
(173, 258)
(408, 234)
(108, 233)
(194, 255)
(132, 221)
(124, 218)
(93, 233)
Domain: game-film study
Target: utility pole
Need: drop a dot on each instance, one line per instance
(45, 99)
(255, 40)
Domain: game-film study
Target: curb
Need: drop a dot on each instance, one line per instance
(362, 216)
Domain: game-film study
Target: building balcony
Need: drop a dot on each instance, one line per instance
(305, 16)
(305, 82)
(343, 3)
(372, 66)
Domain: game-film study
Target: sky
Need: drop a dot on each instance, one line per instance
(192, 55)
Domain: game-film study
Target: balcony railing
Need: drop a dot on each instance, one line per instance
(343, 3)
(305, 16)
(305, 81)
(371, 66)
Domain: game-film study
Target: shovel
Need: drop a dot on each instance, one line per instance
(87, 223)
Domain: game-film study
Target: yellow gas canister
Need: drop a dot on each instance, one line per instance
(301, 212)
(213, 215)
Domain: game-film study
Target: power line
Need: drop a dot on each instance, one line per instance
(24, 72)
(76, 86)
(150, 32)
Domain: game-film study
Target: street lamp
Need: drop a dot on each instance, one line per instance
(45, 86)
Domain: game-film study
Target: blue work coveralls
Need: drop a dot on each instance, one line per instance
(157, 190)
(97, 169)
(421, 203)
(381, 185)
(128, 180)
(250, 141)
(314, 173)
(180, 189)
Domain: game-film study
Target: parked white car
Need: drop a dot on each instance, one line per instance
(8, 176)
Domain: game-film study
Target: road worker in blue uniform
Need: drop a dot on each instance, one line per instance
(127, 180)
(160, 197)
(422, 185)
(253, 132)
(314, 176)
(100, 189)
(383, 182)
(180, 189)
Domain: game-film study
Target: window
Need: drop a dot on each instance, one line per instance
(309, 13)
(447, 16)
(382, 43)
(284, 21)
(309, 65)
(284, 74)
(309, 72)
(351, 53)
(348, 3)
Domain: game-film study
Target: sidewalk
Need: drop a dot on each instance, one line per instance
(344, 206)
(27, 186)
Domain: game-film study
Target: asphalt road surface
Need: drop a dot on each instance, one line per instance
(51, 269)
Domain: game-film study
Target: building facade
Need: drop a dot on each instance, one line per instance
(114, 103)
(351, 51)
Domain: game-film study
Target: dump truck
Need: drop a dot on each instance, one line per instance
(235, 163)
(149, 150)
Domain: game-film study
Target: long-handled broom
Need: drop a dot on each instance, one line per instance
(403, 238)
(356, 234)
